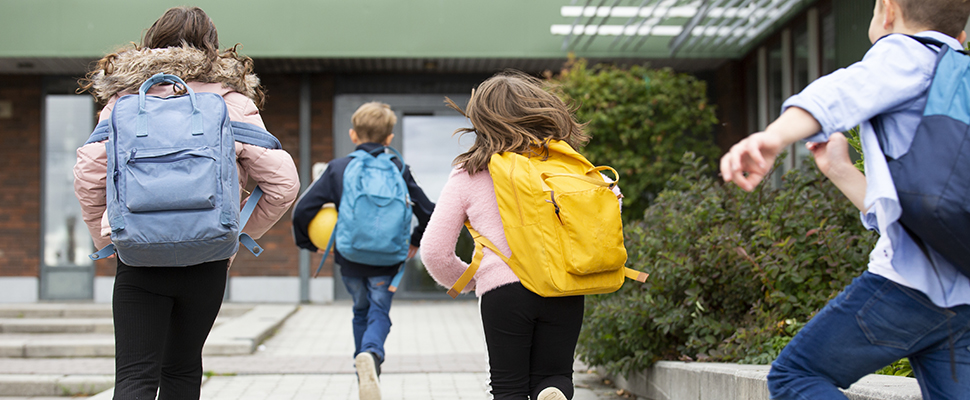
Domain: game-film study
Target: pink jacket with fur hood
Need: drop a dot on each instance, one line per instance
(273, 170)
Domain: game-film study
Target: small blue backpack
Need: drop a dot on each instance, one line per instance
(933, 178)
(374, 217)
(173, 186)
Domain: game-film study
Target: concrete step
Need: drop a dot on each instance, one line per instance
(89, 310)
(231, 336)
(56, 325)
(67, 325)
(54, 385)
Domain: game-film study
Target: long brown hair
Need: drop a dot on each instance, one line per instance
(181, 27)
(515, 112)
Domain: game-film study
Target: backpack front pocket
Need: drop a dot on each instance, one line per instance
(591, 242)
(171, 179)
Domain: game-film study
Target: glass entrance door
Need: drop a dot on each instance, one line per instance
(430, 148)
(67, 273)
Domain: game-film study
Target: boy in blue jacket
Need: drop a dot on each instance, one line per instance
(367, 284)
(905, 305)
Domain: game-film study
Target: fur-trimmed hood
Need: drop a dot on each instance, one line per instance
(125, 71)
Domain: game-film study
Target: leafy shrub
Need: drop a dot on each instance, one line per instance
(898, 368)
(641, 121)
(733, 274)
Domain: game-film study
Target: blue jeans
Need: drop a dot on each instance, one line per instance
(372, 305)
(871, 324)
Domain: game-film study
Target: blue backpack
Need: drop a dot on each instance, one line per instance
(374, 217)
(933, 178)
(173, 187)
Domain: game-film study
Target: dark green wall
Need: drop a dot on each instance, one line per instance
(851, 29)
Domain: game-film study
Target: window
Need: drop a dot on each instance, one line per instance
(68, 123)
(787, 62)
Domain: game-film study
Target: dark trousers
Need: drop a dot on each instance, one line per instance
(162, 316)
(531, 341)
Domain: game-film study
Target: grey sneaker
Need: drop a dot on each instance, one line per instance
(369, 386)
(551, 393)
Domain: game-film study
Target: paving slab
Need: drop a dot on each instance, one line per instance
(435, 351)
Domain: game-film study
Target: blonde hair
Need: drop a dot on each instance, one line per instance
(946, 16)
(373, 121)
(515, 112)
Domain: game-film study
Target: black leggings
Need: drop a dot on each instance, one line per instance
(162, 316)
(530, 341)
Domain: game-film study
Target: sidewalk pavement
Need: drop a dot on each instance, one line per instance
(436, 350)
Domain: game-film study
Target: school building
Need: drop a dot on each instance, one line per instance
(319, 60)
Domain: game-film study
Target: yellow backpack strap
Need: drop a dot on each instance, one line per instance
(480, 243)
(635, 275)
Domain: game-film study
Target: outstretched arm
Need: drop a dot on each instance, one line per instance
(748, 161)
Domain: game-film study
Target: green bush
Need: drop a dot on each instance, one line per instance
(641, 121)
(733, 274)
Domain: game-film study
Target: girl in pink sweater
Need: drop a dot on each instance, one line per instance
(530, 339)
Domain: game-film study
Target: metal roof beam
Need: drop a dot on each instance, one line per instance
(739, 22)
(718, 21)
(691, 24)
(650, 28)
(629, 21)
(565, 42)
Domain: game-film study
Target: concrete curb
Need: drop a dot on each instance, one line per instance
(242, 334)
(674, 380)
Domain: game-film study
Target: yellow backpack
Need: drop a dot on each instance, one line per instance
(562, 222)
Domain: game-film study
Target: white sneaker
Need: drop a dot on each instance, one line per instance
(551, 393)
(369, 386)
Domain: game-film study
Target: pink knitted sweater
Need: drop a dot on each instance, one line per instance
(463, 198)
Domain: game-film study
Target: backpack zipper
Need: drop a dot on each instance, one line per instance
(552, 196)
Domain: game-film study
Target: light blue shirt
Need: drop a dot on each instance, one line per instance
(887, 89)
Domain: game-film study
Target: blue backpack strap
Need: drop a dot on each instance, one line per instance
(244, 239)
(399, 157)
(396, 281)
(100, 133)
(254, 135)
(333, 237)
(104, 252)
(928, 41)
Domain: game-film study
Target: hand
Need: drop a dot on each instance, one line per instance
(832, 154)
(412, 251)
(748, 161)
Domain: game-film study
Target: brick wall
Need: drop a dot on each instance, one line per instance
(281, 114)
(20, 159)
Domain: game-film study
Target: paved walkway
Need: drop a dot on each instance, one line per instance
(435, 351)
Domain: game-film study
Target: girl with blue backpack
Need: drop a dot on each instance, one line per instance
(163, 313)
